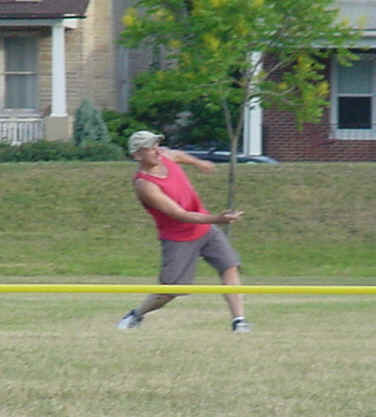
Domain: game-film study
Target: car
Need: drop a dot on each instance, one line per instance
(215, 155)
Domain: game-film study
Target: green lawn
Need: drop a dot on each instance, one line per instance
(308, 356)
(81, 219)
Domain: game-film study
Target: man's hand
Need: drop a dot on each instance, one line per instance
(229, 216)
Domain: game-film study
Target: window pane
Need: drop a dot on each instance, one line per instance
(354, 113)
(356, 79)
(21, 92)
(20, 54)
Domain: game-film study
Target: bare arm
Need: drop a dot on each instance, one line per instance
(183, 158)
(151, 195)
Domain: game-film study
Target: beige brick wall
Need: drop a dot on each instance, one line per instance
(98, 54)
(97, 67)
(90, 60)
(129, 62)
(2, 69)
(45, 81)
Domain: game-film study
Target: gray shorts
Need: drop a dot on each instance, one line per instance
(179, 259)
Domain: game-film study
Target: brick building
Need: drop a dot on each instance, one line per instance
(55, 53)
(347, 131)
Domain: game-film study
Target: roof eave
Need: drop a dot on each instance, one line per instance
(34, 17)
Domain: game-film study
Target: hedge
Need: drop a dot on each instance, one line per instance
(60, 151)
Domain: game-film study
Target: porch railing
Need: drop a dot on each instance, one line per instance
(16, 131)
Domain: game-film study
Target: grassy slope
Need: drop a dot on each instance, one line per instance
(61, 356)
(79, 219)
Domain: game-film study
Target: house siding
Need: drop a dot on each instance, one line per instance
(283, 141)
(98, 55)
(74, 70)
(45, 57)
(91, 53)
(98, 68)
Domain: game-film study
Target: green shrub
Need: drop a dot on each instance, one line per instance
(96, 151)
(186, 121)
(198, 123)
(46, 151)
(8, 153)
(121, 126)
(89, 125)
(60, 151)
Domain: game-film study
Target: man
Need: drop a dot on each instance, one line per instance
(186, 229)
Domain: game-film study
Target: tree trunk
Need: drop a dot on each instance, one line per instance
(232, 175)
(231, 188)
(234, 135)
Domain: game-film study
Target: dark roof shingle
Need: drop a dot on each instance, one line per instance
(42, 9)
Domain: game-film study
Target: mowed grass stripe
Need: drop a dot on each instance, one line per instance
(307, 356)
(82, 219)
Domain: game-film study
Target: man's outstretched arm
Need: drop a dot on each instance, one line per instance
(151, 195)
(183, 158)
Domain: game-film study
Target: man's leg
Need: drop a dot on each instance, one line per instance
(219, 253)
(235, 301)
(178, 267)
(135, 317)
(153, 302)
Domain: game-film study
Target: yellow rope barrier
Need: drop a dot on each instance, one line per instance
(188, 289)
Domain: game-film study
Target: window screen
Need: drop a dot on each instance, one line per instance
(354, 88)
(20, 73)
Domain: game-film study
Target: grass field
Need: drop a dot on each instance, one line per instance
(308, 356)
(61, 355)
(74, 219)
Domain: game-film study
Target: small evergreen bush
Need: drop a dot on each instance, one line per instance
(89, 125)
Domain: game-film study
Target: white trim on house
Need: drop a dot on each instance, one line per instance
(253, 119)
(21, 130)
(344, 133)
(15, 111)
(28, 22)
(252, 135)
(59, 94)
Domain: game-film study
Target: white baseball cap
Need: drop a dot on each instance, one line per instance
(143, 139)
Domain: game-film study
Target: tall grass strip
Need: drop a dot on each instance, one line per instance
(189, 289)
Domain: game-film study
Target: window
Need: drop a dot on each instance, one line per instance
(20, 73)
(353, 99)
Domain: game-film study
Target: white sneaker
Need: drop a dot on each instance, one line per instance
(130, 321)
(240, 326)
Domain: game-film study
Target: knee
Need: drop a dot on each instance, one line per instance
(231, 276)
(165, 297)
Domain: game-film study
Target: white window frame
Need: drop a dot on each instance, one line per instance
(351, 134)
(15, 112)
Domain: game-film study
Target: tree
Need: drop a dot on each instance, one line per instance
(242, 52)
(89, 125)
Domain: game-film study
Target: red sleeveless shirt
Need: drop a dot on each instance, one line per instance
(177, 186)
